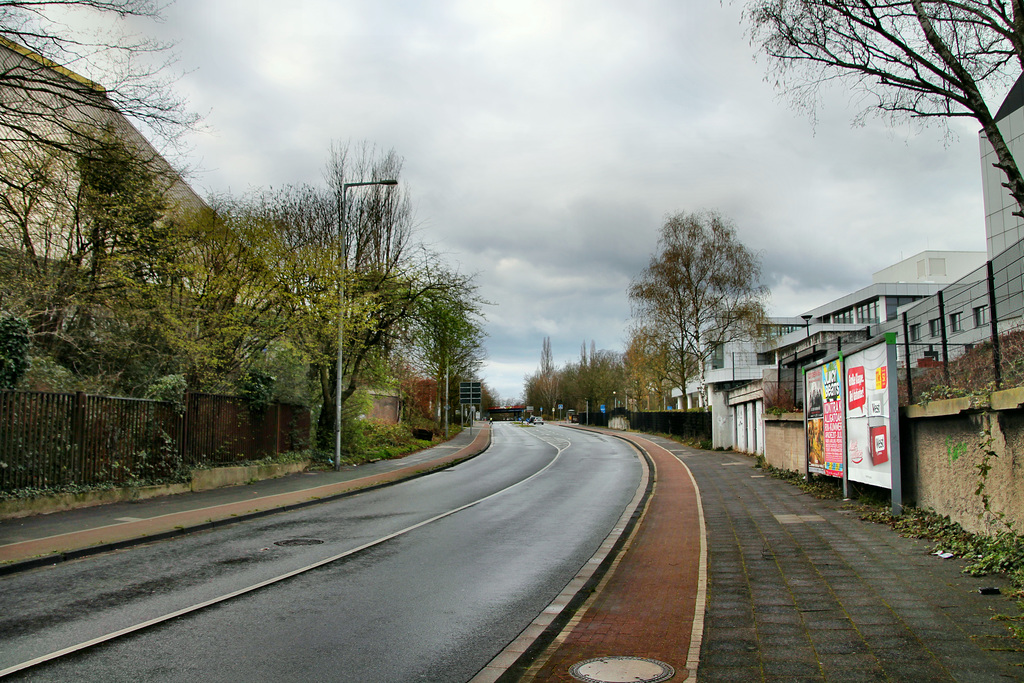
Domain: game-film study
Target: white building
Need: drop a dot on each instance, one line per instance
(944, 296)
(792, 342)
(1002, 228)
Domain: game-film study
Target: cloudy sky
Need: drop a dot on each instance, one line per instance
(546, 141)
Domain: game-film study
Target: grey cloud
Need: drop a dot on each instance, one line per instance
(545, 143)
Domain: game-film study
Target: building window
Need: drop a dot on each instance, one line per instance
(892, 304)
(933, 327)
(980, 316)
(718, 358)
(867, 313)
(915, 333)
(845, 316)
(955, 323)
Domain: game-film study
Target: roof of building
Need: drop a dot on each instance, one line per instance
(1014, 100)
(53, 66)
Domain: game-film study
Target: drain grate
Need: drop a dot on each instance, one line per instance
(621, 670)
(299, 541)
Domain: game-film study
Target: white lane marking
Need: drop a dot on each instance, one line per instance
(262, 584)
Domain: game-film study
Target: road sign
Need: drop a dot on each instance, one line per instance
(602, 407)
(469, 393)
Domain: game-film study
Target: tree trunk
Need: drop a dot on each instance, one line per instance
(325, 423)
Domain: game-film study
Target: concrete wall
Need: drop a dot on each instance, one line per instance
(942, 445)
(784, 441)
(722, 428)
(946, 443)
(387, 407)
(202, 480)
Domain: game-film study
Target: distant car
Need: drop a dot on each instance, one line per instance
(537, 420)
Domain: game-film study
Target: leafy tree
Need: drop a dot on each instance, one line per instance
(447, 337)
(83, 242)
(392, 285)
(169, 388)
(228, 301)
(699, 291)
(649, 367)
(598, 377)
(14, 344)
(257, 389)
(925, 59)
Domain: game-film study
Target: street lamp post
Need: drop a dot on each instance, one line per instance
(807, 326)
(343, 234)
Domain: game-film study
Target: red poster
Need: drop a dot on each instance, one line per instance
(879, 445)
(856, 390)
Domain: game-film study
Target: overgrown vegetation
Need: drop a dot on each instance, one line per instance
(826, 488)
(14, 343)
(971, 374)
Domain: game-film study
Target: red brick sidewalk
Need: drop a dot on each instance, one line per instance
(648, 604)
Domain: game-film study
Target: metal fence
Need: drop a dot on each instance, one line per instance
(62, 439)
(688, 425)
(969, 334)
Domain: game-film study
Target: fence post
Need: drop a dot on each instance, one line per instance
(997, 355)
(277, 428)
(906, 355)
(183, 421)
(78, 437)
(942, 336)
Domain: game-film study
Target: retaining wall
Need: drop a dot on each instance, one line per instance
(784, 441)
(202, 480)
(945, 444)
(942, 445)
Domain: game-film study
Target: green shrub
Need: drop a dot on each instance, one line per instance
(257, 390)
(14, 343)
(171, 389)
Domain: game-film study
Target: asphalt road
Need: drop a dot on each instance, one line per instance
(429, 579)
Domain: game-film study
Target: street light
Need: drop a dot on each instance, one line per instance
(341, 308)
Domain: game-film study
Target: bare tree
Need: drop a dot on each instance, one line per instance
(56, 81)
(544, 385)
(701, 290)
(926, 59)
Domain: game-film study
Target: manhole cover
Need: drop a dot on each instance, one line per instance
(622, 670)
(299, 541)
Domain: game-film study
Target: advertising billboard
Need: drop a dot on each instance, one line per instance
(832, 417)
(870, 403)
(824, 396)
(814, 427)
(852, 418)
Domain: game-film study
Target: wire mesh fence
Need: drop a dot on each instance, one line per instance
(969, 336)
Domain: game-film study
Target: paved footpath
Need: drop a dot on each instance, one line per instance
(798, 589)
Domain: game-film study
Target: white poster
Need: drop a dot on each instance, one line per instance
(869, 419)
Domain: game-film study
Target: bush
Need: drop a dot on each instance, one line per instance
(171, 389)
(14, 343)
(257, 390)
(371, 440)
